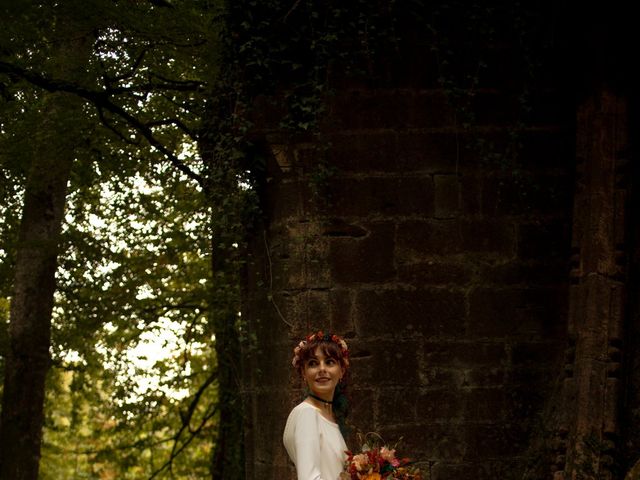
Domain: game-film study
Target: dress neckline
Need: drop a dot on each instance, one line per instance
(331, 422)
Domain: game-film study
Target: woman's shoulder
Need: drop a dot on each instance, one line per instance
(301, 414)
(303, 408)
(304, 411)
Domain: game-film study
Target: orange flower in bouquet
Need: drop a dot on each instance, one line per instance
(378, 463)
(372, 476)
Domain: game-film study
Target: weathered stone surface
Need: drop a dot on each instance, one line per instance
(385, 366)
(464, 354)
(381, 196)
(487, 470)
(447, 196)
(488, 236)
(435, 272)
(440, 251)
(538, 194)
(364, 260)
(516, 312)
(425, 312)
(440, 405)
(420, 239)
(534, 272)
(365, 109)
(430, 152)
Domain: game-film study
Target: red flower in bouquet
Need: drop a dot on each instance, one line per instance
(378, 463)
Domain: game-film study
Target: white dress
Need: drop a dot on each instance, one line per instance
(314, 444)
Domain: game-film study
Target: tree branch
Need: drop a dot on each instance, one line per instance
(186, 425)
(119, 134)
(172, 121)
(101, 99)
(190, 86)
(136, 64)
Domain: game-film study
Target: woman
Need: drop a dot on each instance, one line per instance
(312, 434)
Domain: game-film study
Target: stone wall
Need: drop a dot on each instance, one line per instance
(440, 251)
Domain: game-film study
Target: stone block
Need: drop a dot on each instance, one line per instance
(397, 406)
(318, 310)
(488, 236)
(404, 65)
(292, 257)
(317, 273)
(282, 271)
(286, 200)
(418, 240)
(526, 376)
(525, 401)
(381, 196)
(308, 310)
(362, 405)
(383, 362)
(371, 152)
(502, 151)
(271, 413)
(503, 469)
(447, 195)
(429, 152)
(414, 66)
(358, 110)
(493, 376)
(470, 194)
(544, 240)
(387, 109)
(429, 312)
(435, 272)
(465, 354)
(534, 354)
(261, 317)
(526, 195)
(430, 109)
(366, 259)
(341, 304)
(440, 405)
(516, 312)
(531, 272)
(437, 377)
(274, 372)
(550, 107)
(493, 107)
(484, 404)
(552, 149)
(429, 442)
(494, 441)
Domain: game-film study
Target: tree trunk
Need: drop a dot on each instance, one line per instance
(228, 460)
(227, 209)
(28, 356)
(28, 359)
(228, 456)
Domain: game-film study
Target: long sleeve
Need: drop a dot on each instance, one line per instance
(307, 445)
(314, 444)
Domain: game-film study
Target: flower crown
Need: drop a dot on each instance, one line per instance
(322, 337)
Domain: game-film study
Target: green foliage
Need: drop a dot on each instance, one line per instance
(135, 260)
(135, 268)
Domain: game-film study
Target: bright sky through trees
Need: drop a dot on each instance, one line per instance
(161, 342)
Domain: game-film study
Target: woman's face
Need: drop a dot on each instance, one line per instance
(322, 374)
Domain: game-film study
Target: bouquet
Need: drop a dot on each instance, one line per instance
(378, 463)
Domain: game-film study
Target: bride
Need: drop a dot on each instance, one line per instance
(312, 434)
